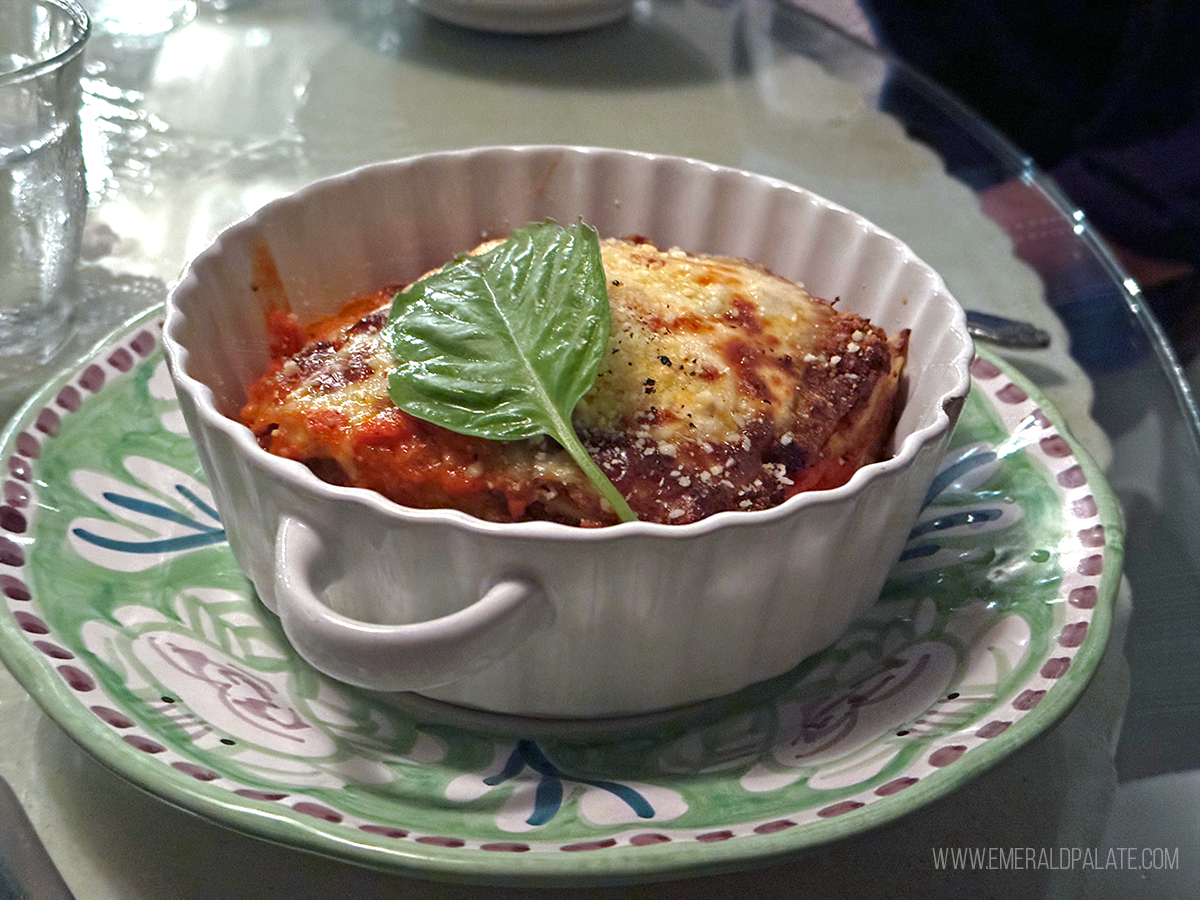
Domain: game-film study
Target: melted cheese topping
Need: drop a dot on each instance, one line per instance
(709, 343)
(724, 387)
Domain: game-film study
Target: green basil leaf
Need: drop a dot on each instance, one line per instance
(504, 344)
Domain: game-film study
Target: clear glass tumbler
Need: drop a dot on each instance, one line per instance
(43, 196)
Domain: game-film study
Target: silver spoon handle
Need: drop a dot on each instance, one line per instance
(1006, 332)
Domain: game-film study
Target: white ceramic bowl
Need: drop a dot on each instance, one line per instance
(540, 618)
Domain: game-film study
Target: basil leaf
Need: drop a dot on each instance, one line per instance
(504, 344)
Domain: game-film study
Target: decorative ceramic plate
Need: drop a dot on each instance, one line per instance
(126, 618)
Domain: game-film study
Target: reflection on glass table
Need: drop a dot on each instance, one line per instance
(191, 127)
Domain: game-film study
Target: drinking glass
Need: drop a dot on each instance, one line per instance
(43, 197)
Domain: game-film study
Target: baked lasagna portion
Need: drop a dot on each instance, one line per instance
(724, 387)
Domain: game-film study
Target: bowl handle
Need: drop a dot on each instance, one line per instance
(405, 657)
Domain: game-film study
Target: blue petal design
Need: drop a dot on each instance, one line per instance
(536, 759)
(919, 551)
(635, 801)
(951, 474)
(512, 767)
(547, 801)
(203, 537)
(157, 510)
(550, 789)
(548, 797)
(187, 542)
(191, 497)
(954, 520)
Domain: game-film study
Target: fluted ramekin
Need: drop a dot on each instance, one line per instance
(540, 618)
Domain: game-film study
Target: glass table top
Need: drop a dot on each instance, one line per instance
(196, 119)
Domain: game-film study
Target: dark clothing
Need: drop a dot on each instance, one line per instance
(1103, 96)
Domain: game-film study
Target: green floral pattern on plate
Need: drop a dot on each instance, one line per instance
(126, 617)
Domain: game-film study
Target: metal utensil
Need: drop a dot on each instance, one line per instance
(1006, 332)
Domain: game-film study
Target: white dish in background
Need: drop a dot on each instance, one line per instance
(527, 16)
(595, 622)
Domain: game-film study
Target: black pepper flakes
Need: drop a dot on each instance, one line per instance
(665, 360)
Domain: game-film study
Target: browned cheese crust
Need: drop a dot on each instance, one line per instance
(725, 387)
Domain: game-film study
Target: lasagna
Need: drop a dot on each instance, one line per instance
(724, 387)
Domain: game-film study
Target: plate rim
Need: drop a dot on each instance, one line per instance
(36, 675)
